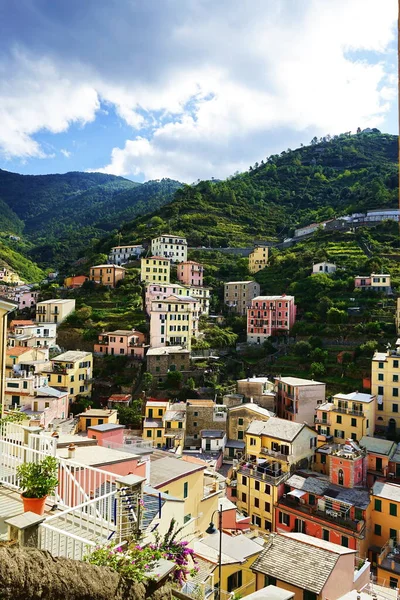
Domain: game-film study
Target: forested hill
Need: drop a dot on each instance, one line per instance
(332, 176)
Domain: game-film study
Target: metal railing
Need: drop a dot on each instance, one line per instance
(63, 543)
(275, 454)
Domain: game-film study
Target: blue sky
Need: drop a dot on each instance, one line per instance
(187, 89)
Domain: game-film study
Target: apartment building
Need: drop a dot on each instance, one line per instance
(8, 276)
(120, 255)
(6, 307)
(379, 455)
(258, 259)
(173, 322)
(274, 448)
(239, 294)
(75, 281)
(54, 311)
(73, 371)
(94, 417)
(334, 508)
(297, 398)
(323, 267)
(171, 358)
(347, 416)
(190, 273)
(155, 269)
(170, 246)
(202, 295)
(26, 298)
(375, 283)
(269, 315)
(157, 291)
(309, 568)
(107, 275)
(33, 336)
(21, 361)
(46, 405)
(164, 424)
(239, 419)
(19, 390)
(385, 385)
(259, 390)
(122, 342)
(397, 317)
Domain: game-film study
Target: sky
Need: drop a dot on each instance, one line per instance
(188, 89)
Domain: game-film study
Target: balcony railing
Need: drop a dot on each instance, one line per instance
(348, 411)
(274, 478)
(353, 525)
(321, 421)
(275, 454)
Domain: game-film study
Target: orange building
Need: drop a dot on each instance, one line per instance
(75, 281)
(108, 275)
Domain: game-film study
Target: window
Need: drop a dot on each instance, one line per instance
(380, 390)
(234, 581)
(339, 434)
(268, 580)
(311, 499)
(81, 388)
(380, 406)
(257, 485)
(159, 432)
(195, 414)
(160, 412)
(309, 595)
(284, 519)
(240, 435)
(393, 583)
(267, 507)
(323, 459)
(393, 534)
(325, 535)
(354, 422)
(380, 377)
(148, 433)
(256, 520)
(345, 541)
(338, 419)
(393, 509)
(377, 529)
(256, 503)
(185, 489)
(395, 408)
(59, 378)
(244, 497)
(267, 489)
(378, 505)
(395, 392)
(252, 441)
(381, 365)
(244, 480)
(240, 421)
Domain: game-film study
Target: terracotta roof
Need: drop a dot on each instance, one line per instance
(120, 398)
(19, 322)
(18, 351)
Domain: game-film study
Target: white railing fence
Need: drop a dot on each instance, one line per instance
(63, 543)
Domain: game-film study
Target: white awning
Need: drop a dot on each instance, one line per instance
(296, 493)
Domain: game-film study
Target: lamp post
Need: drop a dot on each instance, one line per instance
(211, 529)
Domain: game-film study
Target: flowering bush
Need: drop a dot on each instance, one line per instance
(136, 561)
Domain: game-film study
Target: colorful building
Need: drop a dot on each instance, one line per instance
(6, 307)
(21, 361)
(347, 416)
(173, 322)
(297, 398)
(379, 455)
(274, 448)
(33, 336)
(54, 311)
(155, 269)
(8, 276)
(203, 415)
(238, 295)
(27, 298)
(239, 419)
(121, 255)
(259, 390)
(75, 281)
(160, 361)
(269, 315)
(164, 424)
(93, 417)
(46, 404)
(375, 282)
(323, 267)
(122, 342)
(155, 291)
(72, 370)
(258, 259)
(190, 273)
(170, 246)
(385, 385)
(397, 317)
(335, 508)
(107, 275)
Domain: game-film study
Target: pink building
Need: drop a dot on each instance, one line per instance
(27, 299)
(155, 291)
(122, 342)
(190, 273)
(362, 282)
(47, 404)
(269, 315)
(107, 433)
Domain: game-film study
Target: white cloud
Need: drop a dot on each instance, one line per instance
(66, 153)
(207, 87)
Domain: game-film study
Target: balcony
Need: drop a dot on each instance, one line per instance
(291, 409)
(389, 558)
(348, 411)
(346, 523)
(275, 454)
(268, 476)
(321, 422)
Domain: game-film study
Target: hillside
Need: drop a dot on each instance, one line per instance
(331, 177)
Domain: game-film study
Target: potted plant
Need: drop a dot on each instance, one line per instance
(37, 480)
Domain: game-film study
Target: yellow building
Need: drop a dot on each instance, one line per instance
(387, 569)
(8, 276)
(108, 275)
(258, 259)
(165, 424)
(54, 311)
(185, 479)
(385, 514)
(21, 360)
(72, 370)
(238, 555)
(96, 416)
(385, 385)
(347, 416)
(155, 269)
(5, 308)
(239, 419)
(397, 317)
(274, 448)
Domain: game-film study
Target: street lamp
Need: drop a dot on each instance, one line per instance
(211, 529)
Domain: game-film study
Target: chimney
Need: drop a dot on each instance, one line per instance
(55, 434)
(251, 399)
(71, 451)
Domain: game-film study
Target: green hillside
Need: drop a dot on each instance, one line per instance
(331, 177)
(13, 255)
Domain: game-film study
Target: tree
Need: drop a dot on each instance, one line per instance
(335, 316)
(317, 369)
(147, 381)
(191, 384)
(174, 379)
(302, 349)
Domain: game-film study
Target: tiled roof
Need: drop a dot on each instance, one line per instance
(276, 428)
(389, 491)
(297, 563)
(164, 470)
(314, 485)
(377, 446)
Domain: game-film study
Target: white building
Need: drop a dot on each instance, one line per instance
(120, 255)
(170, 246)
(173, 322)
(323, 267)
(155, 291)
(54, 311)
(33, 336)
